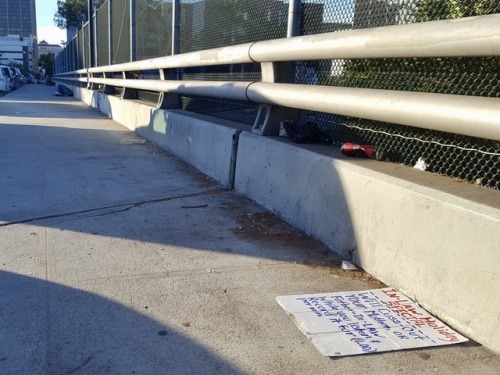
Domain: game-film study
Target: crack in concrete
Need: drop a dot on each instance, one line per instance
(78, 368)
(122, 208)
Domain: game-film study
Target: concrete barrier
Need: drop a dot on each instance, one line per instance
(197, 139)
(399, 224)
(433, 238)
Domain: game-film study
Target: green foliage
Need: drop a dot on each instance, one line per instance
(46, 62)
(71, 13)
(462, 76)
(430, 10)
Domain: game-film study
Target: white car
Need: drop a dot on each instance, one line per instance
(5, 79)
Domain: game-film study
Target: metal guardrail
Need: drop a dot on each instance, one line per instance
(459, 114)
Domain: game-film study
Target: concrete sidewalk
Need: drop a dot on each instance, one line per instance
(118, 258)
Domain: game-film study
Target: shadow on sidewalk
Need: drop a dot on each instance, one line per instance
(48, 328)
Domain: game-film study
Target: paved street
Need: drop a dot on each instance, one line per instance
(118, 258)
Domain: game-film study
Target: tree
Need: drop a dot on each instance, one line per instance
(71, 13)
(46, 61)
(440, 75)
(448, 75)
(446, 9)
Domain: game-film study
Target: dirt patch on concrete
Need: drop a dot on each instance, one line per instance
(265, 226)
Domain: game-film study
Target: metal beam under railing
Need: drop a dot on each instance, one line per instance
(468, 115)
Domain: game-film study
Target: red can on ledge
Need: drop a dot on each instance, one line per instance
(362, 151)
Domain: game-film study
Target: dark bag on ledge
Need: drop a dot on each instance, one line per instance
(308, 132)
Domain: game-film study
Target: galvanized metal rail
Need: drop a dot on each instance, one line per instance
(466, 115)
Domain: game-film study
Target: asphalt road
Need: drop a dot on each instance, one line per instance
(118, 258)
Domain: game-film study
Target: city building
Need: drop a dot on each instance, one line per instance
(18, 17)
(18, 33)
(19, 51)
(45, 48)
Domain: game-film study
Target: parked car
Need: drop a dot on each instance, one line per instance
(29, 78)
(20, 75)
(6, 81)
(16, 74)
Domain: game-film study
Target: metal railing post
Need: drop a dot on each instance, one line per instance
(71, 58)
(91, 33)
(170, 100)
(96, 38)
(269, 117)
(176, 27)
(133, 55)
(108, 89)
(84, 48)
(110, 32)
(294, 13)
(77, 48)
(129, 93)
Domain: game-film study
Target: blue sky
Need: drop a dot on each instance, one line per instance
(46, 29)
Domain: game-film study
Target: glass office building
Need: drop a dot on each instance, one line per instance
(18, 33)
(17, 17)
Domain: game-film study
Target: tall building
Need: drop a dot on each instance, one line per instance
(18, 17)
(18, 34)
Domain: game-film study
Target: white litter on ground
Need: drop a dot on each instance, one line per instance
(370, 321)
(348, 266)
(421, 164)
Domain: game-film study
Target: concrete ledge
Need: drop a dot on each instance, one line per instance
(435, 239)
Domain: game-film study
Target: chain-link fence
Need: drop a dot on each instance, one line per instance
(153, 31)
(120, 28)
(460, 157)
(102, 36)
(215, 23)
(141, 29)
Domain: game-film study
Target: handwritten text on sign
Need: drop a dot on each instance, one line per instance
(370, 321)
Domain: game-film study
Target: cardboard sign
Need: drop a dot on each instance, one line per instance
(370, 321)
